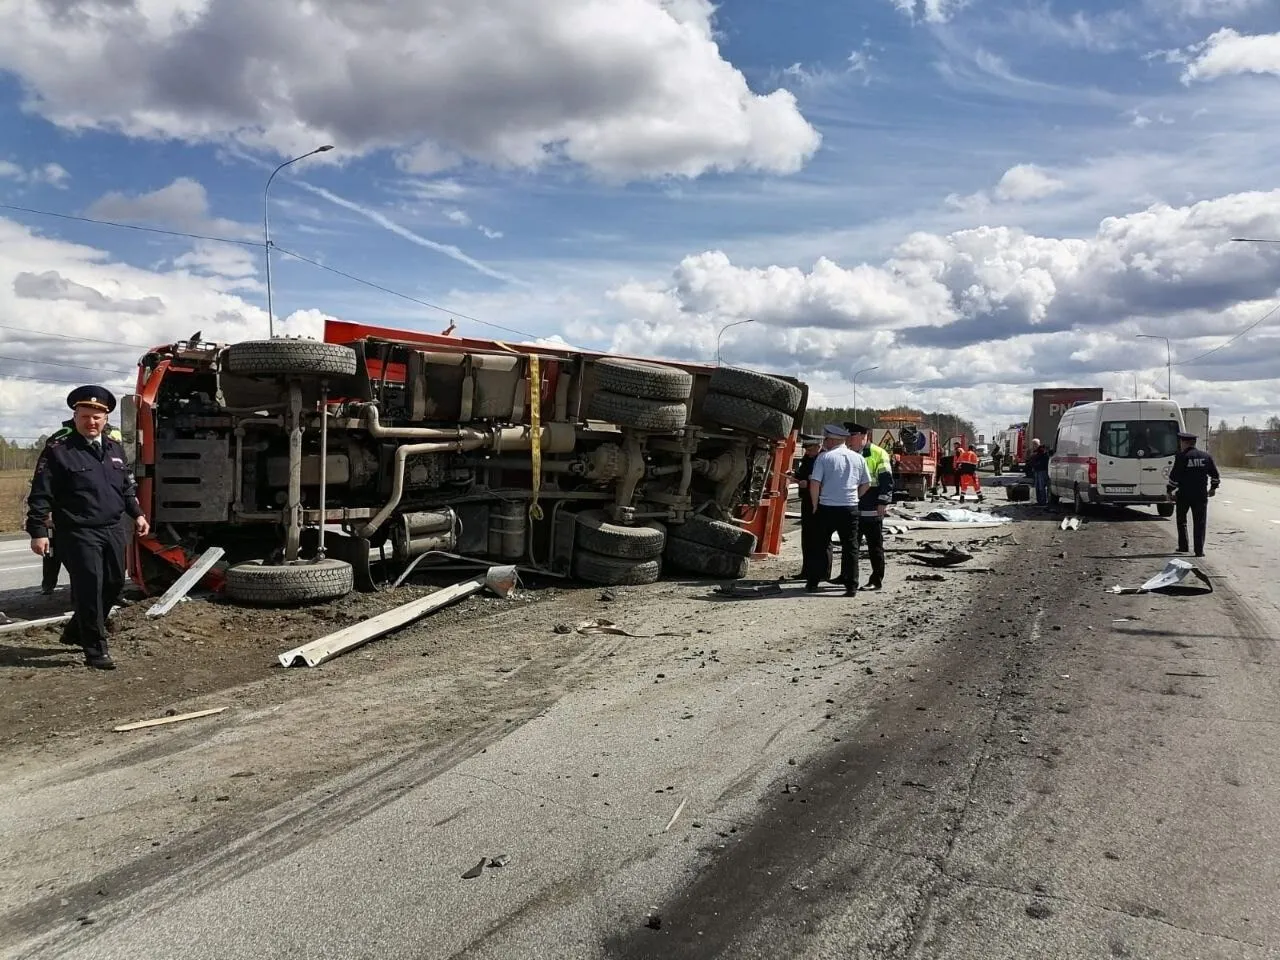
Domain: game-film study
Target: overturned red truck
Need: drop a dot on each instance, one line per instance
(319, 467)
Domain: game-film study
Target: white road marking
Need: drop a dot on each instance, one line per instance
(1228, 502)
(1275, 521)
(1245, 510)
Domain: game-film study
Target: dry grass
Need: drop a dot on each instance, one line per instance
(14, 485)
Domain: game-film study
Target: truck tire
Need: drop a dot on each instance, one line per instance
(657, 415)
(700, 559)
(750, 416)
(615, 571)
(760, 387)
(291, 357)
(596, 534)
(635, 378)
(1165, 509)
(278, 585)
(716, 534)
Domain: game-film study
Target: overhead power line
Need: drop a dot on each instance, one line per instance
(1222, 346)
(67, 336)
(259, 244)
(63, 363)
(130, 226)
(14, 376)
(397, 293)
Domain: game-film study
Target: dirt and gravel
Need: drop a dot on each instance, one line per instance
(993, 765)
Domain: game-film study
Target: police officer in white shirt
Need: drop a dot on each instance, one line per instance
(838, 481)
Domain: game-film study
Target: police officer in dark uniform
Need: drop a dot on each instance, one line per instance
(808, 527)
(1192, 481)
(84, 482)
(52, 562)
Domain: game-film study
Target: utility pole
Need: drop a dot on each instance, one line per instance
(1168, 360)
(266, 227)
(855, 387)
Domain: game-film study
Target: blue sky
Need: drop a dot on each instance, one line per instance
(982, 197)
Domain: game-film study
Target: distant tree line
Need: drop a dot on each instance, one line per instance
(19, 456)
(947, 424)
(1235, 446)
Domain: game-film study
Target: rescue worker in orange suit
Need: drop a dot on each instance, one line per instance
(84, 481)
(808, 526)
(967, 470)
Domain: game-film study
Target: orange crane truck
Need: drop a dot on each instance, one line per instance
(322, 466)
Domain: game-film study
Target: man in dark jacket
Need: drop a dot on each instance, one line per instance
(874, 504)
(85, 483)
(51, 564)
(1038, 471)
(1192, 481)
(808, 528)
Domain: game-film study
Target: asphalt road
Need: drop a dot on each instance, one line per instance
(19, 567)
(1059, 772)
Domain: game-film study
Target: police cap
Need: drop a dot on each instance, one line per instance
(1183, 435)
(809, 440)
(855, 427)
(834, 430)
(92, 395)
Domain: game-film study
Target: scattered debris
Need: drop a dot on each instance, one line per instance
(924, 577)
(653, 921)
(183, 585)
(749, 588)
(1069, 523)
(15, 626)
(948, 559)
(501, 580)
(476, 870)
(600, 625)
(675, 816)
(1039, 911)
(501, 860)
(1174, 572)
(161, 721)
(608, 596)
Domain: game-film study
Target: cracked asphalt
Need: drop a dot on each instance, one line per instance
(1009, 765)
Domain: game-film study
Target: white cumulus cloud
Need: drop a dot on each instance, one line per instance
(1227, 52)
(628, 88)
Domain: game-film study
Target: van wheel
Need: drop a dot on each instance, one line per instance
(1164, 509)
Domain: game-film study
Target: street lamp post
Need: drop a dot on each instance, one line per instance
(266, 227)
(855, 387)
(736, 323)
(1168, 360)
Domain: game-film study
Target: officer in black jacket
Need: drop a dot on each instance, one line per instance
(1192, 481)
(809, 532)
(83, 480)
(52, 564)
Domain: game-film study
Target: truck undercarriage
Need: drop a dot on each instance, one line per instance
(317, 466)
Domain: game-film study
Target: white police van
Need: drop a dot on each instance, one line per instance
(1115, 452)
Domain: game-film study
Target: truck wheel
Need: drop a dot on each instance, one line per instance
(614, 571)
(1164, 509)
(716, 534)
(291, 357)
(657, 415)
(635, 378)
(750, 416)
(596, 534)
(708, 561)
(278, 585)
(760, 387)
